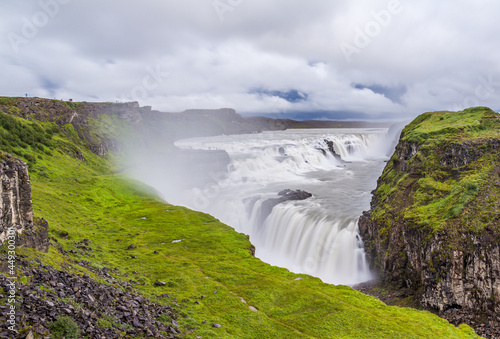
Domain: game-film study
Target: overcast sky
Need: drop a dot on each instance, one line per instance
(365, 58)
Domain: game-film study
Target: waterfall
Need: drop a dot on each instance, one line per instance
(329, 248)
(317, 236)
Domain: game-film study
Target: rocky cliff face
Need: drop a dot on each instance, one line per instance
(85, 118)
(434, 222)
(15, 206)
(103, 125)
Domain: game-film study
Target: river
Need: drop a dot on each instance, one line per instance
(317, 236)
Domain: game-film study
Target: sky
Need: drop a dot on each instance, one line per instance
(363, 59)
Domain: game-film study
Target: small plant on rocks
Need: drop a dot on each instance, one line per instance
(65, 327)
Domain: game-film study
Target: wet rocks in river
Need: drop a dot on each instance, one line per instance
(331, 149)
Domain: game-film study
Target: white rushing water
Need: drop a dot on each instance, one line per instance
(317, 236)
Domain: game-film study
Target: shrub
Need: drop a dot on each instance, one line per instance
(65, 327)
(103, 323)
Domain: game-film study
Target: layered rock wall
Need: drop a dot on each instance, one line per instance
(434, 222)
(16, 213)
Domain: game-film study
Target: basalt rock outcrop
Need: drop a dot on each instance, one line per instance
(16, 212)
(434, 222)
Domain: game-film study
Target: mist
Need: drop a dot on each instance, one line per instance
(297, 193)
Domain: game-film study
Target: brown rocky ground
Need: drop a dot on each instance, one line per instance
(100, 310)
(487, 326)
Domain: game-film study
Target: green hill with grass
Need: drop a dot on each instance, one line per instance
(434, 225)
(107, 229)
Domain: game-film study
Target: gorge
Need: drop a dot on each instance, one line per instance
(105, 226)
(314, 234)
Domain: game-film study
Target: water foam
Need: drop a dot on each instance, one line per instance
(318, 236)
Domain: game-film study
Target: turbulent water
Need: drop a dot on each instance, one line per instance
(319, 235)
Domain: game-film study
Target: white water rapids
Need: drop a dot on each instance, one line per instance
(317, 236)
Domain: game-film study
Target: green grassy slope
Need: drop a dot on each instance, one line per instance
(447, 196)
(85, 200)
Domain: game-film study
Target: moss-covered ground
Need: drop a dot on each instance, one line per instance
(438, 194)
(207, 266)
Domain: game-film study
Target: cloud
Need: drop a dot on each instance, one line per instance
(256, 56)
(292, 96)
(392, 93)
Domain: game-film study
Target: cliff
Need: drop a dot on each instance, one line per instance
(434, 222)
(16, 212)
(102, 125)
(86, 117)
(120, 255)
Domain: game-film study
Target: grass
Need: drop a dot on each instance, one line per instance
(440, 196)
(212, 265)
(211, 258)
(434, 127)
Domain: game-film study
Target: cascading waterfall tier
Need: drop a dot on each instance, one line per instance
(318, 235)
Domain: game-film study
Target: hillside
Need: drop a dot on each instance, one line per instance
(150, 266)
(434, 223)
